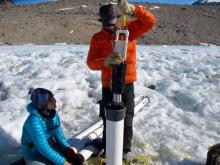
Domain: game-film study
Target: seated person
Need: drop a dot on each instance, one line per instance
(43, 141)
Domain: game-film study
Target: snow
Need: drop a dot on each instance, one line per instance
(154, 8)
(177, 127)
(206, 1)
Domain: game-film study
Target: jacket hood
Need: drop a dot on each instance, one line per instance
(32, 110)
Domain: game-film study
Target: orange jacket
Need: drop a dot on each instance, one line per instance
(101, 46)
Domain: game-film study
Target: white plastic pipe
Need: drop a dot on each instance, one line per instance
(80, 140)
(140, 102)
(121, 45)
(97, 128)
(114, 142)
(90, 130)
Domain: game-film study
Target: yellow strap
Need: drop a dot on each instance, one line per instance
(102, 161)
(99, 161)
(123, 20)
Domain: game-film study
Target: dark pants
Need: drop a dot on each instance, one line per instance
(213, 155)
(41, 160)
(128, 98)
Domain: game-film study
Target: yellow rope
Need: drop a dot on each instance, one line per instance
(143, 160)
(123, 20)
(146, 159)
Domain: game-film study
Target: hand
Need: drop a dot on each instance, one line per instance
(113, 59)
(125, 7)
(72, 157)
(66, 163)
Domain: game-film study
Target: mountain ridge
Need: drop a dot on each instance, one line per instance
(206, 2)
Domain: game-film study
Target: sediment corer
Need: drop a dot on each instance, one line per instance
(119, 71)
(116, 110)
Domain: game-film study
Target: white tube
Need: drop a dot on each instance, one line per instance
(114, 142)
(88, 151)
(121, 45)
(140, 103)
(80, 140)
(89, 130)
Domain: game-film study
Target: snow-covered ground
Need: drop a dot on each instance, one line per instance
(177, 127)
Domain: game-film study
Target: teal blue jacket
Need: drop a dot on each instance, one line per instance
(38, 136)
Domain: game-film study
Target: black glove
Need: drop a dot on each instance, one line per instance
(72, 157)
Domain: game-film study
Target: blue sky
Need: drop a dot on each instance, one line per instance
(166, 1)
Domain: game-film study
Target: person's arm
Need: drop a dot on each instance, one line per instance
(93, 60)
(145, 21)
(60, 136)
(70, 155)
(40, 141)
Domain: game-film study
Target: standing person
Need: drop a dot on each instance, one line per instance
(101, 57)
(43, 141)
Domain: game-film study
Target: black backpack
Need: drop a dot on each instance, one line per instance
(213, 155)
